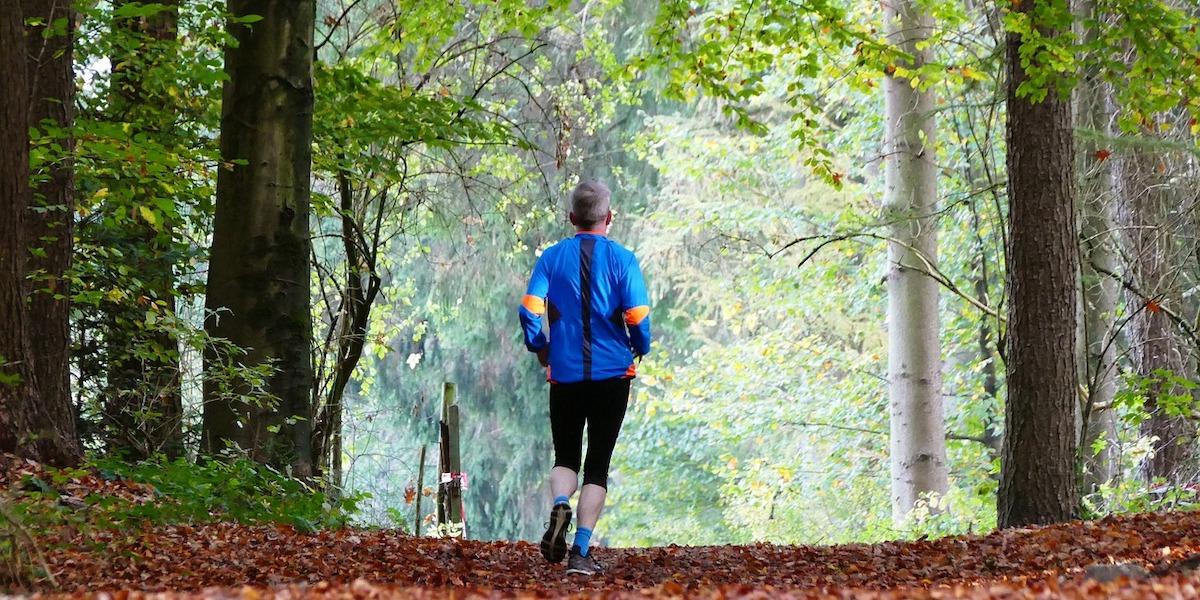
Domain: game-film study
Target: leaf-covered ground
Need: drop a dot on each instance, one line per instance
(230, 560)
(280, 560)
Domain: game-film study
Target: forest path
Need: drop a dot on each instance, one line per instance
(236, 561)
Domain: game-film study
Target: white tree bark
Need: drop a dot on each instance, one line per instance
(918, 442)
(1098, 368)
(1100, 292)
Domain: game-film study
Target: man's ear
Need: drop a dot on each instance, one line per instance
(608, 219)
(573, 220)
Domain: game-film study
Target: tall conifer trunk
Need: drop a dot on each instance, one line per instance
(1037, 475)
(31, 424)
(49, 228)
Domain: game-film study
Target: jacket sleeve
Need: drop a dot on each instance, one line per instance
(636, 302)
(533, 305)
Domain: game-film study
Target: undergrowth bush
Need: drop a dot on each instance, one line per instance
(110, 493)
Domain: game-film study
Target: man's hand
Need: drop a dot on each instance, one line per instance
(544, 356)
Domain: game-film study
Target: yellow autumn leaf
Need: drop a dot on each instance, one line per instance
(784, 473)
(148, 215)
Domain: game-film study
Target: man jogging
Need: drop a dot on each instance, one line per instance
(592, 291)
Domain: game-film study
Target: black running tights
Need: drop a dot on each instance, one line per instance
(600, 405)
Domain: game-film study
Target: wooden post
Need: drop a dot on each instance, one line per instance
(450, 463)
(449, 397)
(420, 490)
(455, 495)
(443, 466)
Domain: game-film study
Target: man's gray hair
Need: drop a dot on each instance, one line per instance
(590, 204)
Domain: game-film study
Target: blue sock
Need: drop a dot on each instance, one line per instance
(583, 539)
(562, 500)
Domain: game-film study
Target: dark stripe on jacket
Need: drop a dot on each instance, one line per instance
(586, 245)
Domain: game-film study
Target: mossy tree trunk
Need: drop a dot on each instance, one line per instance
(258, 279)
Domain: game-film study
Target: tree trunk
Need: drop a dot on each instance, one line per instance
(30, 425)
(143, 399)
(1099, 293)
(258, 275)
(1143, 211)
(1099, 370)
(49, 229)
(1037, 480)
(351, 325)
(918, 442)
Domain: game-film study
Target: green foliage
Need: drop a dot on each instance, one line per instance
(238, 490)
(397, 520)
(1131, 495)
(1149, 52)
(1146, 50)
(732, 51)
(763, 412)
(1047, 52)
(145, 169)
(963, 510)
(173, 492)
(1172, 393)
(1129, 491)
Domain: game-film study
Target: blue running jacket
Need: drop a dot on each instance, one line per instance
(592, 291)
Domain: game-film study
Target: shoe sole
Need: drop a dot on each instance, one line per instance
(554, 542)
(580, 572)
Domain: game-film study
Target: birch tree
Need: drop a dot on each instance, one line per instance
(1098, 256)
(918, 444)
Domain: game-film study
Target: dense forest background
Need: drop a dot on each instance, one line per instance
(833, 204)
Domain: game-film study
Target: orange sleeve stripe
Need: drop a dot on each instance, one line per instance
(631, 371)
(534, 304)
(636, 315)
